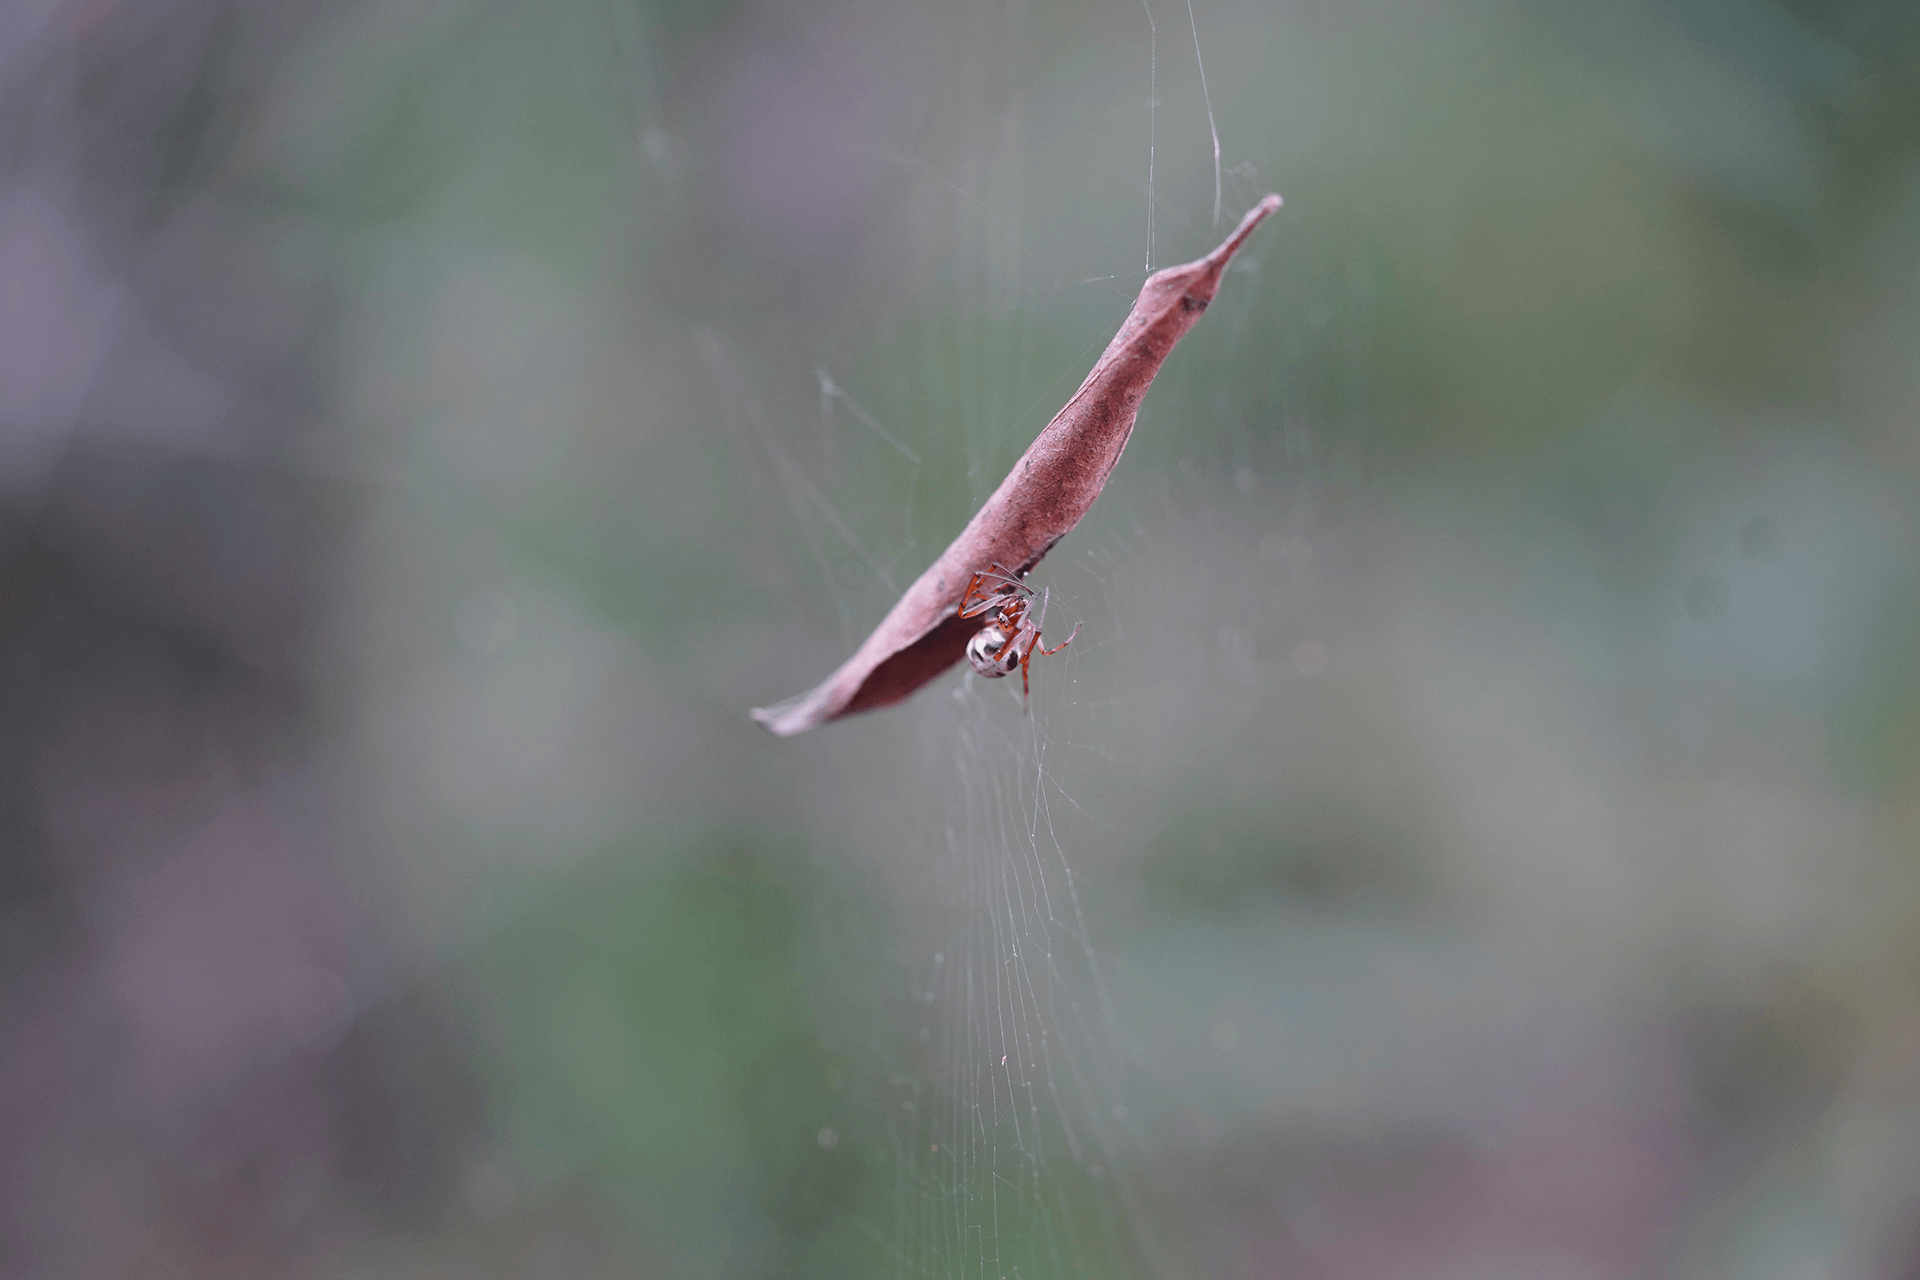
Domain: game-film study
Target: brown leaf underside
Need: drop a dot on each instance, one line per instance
(1043, 497)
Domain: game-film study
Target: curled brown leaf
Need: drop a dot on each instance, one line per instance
(1049, 489)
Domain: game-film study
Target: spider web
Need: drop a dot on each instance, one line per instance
(1012, 1082)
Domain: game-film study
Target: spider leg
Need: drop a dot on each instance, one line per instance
(1040, 621)
(1048, 653)
(1009, 584)
(971, 607)
(975, 601)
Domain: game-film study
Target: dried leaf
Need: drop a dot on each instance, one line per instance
(1043, 497)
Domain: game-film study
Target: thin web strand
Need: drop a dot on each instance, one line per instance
(1208, 99)
(831, 391)
(1153, 112)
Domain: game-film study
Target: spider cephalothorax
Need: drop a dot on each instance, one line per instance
(1011, 635)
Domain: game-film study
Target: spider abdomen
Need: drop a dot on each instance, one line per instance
(992, 651)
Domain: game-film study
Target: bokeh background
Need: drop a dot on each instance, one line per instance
(1475, 833)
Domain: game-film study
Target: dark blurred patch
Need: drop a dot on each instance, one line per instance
(230, 555)
(1767, 1066)
(410, 1111)
(95, 687)
(148, 88)
(1874, 131)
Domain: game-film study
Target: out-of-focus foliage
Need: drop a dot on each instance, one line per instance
(1489, 770)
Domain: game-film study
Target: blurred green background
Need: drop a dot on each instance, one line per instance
(1474, 833)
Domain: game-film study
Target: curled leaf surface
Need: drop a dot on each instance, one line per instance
(1049, 489)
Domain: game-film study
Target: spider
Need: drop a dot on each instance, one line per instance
(1012, 633)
